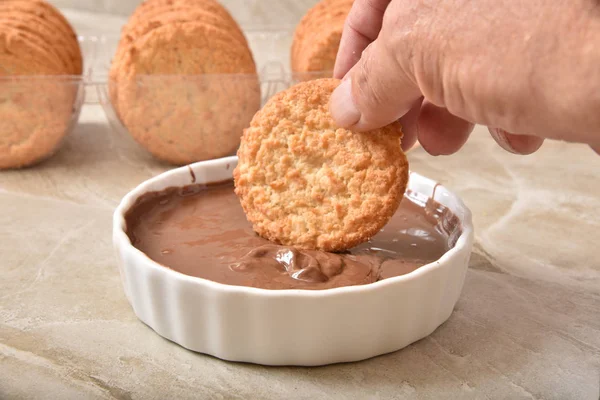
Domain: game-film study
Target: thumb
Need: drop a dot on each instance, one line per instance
(375, 92)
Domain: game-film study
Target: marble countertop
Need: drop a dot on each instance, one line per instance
(527, 325)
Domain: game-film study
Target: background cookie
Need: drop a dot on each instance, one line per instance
(304, 182)
(152, 8)
(35, 116)
(150, 14)
(38, 54)
(207, 5)
(185, 13)
(21, 45)
(311, 24)
(160, 16)
(53, 18)
(317, 39)
(183, 80)
(35, 32)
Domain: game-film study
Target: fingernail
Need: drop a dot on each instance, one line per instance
(500, 137)
(342, 107)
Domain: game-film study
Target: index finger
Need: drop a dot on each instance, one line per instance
(361, 28)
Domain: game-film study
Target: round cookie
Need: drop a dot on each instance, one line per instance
(313, 22)
(151, 13)
(35, 113)
(63, 41)
(321, 55)
(38, 20)
(333, 16)
(27, 23)
(16, 44)
(149, 7)
(304, 182)
(55, 19)
(164, 16)
(36, 105)
(318, 46)
(205, 93)
(185, 13)
(317, 38)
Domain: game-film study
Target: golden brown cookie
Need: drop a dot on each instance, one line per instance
(185, 13)
(315, 19)
(35, 116)
(320, 56)
(152, 8)
(35, 112)
(162, 17)
(304, 182)
(36, 104)
(37, 20)
(317, 39)
(44, 37)
(186, 90)
(151, 13)
(54, 19)
(319, 44)
(22, 46)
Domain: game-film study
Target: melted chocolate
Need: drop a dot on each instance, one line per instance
(202, 231)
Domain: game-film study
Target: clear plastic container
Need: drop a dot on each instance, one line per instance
(38, 112)
(266, 46)
(185, 118)
(53, 104)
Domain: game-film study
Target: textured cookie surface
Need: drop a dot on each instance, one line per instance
(304, 182)
(149, 7)
(20, 45)
(52, 18)
(38, 33)
(183, 13)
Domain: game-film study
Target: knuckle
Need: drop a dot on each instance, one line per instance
(352, 22)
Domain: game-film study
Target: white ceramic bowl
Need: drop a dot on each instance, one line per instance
(290, 327)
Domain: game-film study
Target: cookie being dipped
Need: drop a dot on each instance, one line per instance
(304, 182)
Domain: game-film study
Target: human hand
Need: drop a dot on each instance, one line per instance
(531, 68)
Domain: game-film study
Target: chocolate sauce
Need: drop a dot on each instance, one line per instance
(202, 231)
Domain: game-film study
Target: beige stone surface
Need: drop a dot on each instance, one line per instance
(527, 325)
